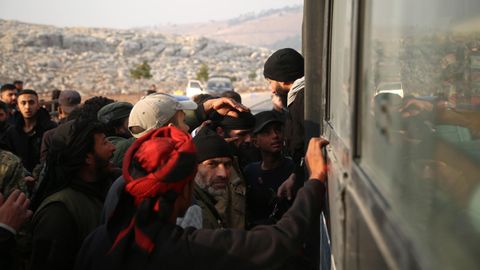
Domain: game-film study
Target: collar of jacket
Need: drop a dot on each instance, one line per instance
(209, 202)
(97, 189)
(43, 119)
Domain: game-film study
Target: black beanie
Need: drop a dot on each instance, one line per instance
(284, 65)
(210, 145)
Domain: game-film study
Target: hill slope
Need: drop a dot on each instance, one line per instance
(272, 29)
(98, 60)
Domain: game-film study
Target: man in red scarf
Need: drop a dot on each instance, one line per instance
(141, 234)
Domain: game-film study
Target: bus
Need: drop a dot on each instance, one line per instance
(404, 174)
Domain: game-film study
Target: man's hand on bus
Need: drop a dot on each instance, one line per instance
(286, 189)
(315, 160)
(224, 106)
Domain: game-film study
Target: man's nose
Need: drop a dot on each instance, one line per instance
(277, 133)
(273, 90)
(222, 171)
(112, 147)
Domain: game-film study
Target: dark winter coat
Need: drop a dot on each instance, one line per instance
(264, 247)
(27, 146)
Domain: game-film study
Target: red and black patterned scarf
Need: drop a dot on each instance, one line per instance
(156, 169)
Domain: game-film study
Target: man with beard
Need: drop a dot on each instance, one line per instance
(8, 94)
(141, 234)
(70, 199)
(284, 71)
(237, 131)
(115, 117)
(157, 110)
(31, 122)
(88, 110)
(211, 181)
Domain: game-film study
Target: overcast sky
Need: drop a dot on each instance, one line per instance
(131, 13)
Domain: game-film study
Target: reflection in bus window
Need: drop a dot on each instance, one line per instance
(340, 84)
(421, 122)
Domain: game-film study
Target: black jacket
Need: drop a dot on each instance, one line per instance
(7, 248)
(295, 132)
(264, 247)
(27, 146)
(294, 127)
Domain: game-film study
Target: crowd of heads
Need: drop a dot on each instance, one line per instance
(161, 162)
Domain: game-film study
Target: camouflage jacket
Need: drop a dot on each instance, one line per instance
(12, 174)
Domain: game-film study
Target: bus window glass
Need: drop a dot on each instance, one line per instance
(341, 69)
(420, 115)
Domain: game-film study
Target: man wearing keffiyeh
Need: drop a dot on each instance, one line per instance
(159, 169)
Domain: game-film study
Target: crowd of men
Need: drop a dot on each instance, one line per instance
(166, 182)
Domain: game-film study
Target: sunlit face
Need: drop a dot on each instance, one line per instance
(270, 138)
(28, 105)
(103, 152)
(213, 175)
(9, 97)
(278, 88)
(179, 121)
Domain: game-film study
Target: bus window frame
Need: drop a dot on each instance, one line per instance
(348, 178)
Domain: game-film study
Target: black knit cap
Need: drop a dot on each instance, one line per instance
(210, 145)
(284, 65)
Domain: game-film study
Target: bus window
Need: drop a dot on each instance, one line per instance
(341, 64)
(420, 115)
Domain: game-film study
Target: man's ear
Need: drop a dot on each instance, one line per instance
(220, 131)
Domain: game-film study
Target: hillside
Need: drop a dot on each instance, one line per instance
(274, 29)
(99, 60)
